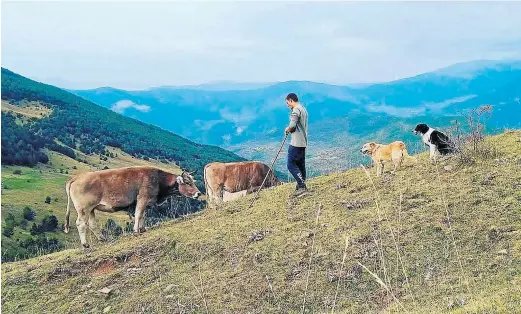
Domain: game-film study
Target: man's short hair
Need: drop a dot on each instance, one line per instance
(292, 96)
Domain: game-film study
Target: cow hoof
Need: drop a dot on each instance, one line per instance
(86, 246)
(140, 231)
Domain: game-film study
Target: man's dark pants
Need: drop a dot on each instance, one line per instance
(297, 164)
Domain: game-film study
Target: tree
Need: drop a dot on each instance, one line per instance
(29, 213)
(49, 224)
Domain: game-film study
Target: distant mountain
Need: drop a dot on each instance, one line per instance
(244, 119)
(219, 86)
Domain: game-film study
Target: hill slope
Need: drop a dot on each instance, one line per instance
(457, 229)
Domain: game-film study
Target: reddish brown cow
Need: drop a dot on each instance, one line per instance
(235, 177)
(117, 189)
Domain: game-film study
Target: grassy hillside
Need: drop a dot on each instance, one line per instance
(456, 227)
(25, 186)
(49, 134)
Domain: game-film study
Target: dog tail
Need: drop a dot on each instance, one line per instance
(405, 153)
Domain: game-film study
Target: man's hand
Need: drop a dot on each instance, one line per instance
(287, 130)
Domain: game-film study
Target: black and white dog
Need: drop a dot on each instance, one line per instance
(436, 140)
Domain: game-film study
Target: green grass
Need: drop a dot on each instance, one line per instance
(207, 261)
(33, 185)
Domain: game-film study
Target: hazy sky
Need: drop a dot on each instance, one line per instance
(141, 44)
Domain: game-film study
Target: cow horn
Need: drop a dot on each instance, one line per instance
(193, 172)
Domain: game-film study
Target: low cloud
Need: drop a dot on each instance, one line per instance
(396, 111)
(123, 105)
(244, 117)
(207, 125)
(407, 112)
(239, 130)
(442, 105)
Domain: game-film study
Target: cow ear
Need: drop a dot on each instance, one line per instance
(180, 180)
(372, 144)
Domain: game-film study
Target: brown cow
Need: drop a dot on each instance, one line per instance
(235, 177)
(117, 189)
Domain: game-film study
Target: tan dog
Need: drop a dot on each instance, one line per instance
(382, 154)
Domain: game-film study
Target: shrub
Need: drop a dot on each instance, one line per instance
(17, 172)
(469, 140)
(49, 224)
(48, 200)
(29, 213)
(112, 229)
(8, 231)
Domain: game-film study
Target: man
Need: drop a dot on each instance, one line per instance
(298, 127)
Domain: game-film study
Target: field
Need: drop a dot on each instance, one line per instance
(433, 238)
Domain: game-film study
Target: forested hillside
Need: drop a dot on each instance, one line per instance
(83, 125)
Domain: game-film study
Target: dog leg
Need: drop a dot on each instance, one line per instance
(380, 169)
(397, 160)
(432, 152)
(396, 165)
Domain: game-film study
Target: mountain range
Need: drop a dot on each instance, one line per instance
(249, 118)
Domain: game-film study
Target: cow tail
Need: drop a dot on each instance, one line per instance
(206, 185)
(68, 213)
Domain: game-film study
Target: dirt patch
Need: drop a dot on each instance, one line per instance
(353, 272)
(358, 189)
(134, 260)
(489, 177)
(71, 270)
(257, 236)
(296, 270)
(357, 203)
(104, 268)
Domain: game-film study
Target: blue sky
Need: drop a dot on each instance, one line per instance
(135, 45)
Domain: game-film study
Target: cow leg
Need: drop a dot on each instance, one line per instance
(216, 195)
(141, 206)
(94, 227)
(142, 224)
(81, 224)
